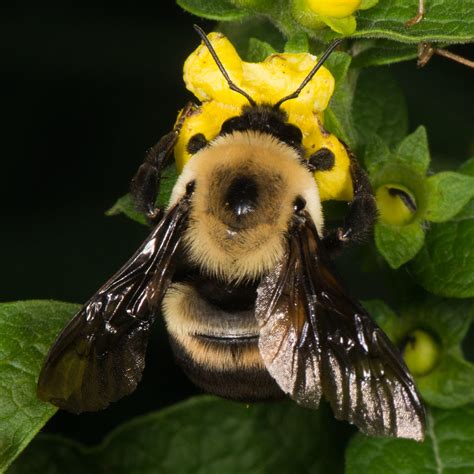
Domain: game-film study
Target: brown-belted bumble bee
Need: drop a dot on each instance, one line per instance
(238, 265)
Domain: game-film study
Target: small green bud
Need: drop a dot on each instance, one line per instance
(421, 352)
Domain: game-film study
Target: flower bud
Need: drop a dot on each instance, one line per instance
(396, 204)
(334, 8)
(421, 352)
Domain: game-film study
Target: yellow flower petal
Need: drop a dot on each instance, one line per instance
(334, 8)
(266, 82)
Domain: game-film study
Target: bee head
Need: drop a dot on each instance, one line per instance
(246, 186)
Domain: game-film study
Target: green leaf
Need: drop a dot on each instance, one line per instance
(221, 10)
(338, 115)
(379, 107)
(377, 154)
(448, 319)
(50, 454)
(445, 265)
(448, 193)
(204, 434)
(297, 43)
(27, 329)
(387, 319)
(398, 245)
(365, 4)
(338, 64)
(467, 212)
(451, 382)
(372, 52)
(239, 32)
(447, 449)
(125, 205)
(449, 21)
(467, 167)
(258, 50)
(450, 385)
(414, 151)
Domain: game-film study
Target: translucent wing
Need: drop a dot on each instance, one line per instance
(100, 355)
(316, 340)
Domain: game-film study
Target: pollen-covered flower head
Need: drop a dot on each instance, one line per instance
(266, 82)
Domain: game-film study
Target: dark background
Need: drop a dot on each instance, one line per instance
(85, 92)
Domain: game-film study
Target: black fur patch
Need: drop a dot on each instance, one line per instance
(265, 119)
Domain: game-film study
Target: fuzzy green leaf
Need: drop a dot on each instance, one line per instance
(379, 107)
(365, 4)
(387, 319)
(27, 330)
(372, 52)
(445, 265)
(447, 449)
(239, 33)
(398, 245)
(467, 212)
(282, 438)
(297, 44)
(258, 50)
(221, 10)
(449, 21)
(338, 115)
(414, 151)
(448, 319)
(338, 63)
(450, 385)
(377, 154)
(125, 205)
(448, 193)
(467, 167)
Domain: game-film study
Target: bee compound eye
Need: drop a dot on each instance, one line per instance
(299, 204)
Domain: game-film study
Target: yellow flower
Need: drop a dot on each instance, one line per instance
(337, 14)
(334, 8)
(266, 82)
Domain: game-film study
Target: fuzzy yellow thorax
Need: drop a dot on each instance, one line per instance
(266, 82)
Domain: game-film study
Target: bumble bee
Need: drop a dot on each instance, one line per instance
(239, 266)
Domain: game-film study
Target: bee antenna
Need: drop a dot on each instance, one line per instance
(313, 71)
(232, 86)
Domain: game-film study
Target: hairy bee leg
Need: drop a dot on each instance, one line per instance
(362, 212)
(145, 184)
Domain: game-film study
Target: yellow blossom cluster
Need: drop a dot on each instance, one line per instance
(266, 82)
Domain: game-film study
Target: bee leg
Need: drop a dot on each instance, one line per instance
(145, 185)
(362, 212)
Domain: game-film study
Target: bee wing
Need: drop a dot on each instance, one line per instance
(316, 340)
(100, 355)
